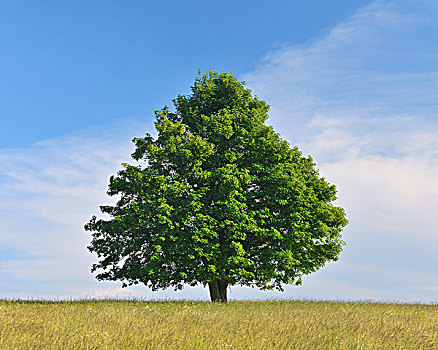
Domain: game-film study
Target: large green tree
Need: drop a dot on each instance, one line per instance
(221, 200)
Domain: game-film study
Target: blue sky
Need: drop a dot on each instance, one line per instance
(69, 65)
(354, 84)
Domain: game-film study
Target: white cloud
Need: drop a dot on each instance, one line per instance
(48, 192)
(362, 102)
(374, 66)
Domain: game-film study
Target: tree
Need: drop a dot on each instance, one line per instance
(222, 200)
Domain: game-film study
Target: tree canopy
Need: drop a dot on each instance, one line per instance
(218, 199)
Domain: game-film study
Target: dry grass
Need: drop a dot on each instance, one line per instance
(202, 325)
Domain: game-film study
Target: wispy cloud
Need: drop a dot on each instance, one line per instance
(362, 102)
(48, 192)
(373, 74)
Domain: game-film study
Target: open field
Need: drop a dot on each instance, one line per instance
(203, 325)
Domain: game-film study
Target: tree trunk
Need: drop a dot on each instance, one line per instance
(218, 290)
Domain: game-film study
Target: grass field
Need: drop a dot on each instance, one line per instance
(203, 325)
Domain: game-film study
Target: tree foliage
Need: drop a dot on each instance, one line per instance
(222, 200)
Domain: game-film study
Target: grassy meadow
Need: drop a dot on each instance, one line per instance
(203, 325)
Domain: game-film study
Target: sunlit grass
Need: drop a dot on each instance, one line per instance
(202, 325)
